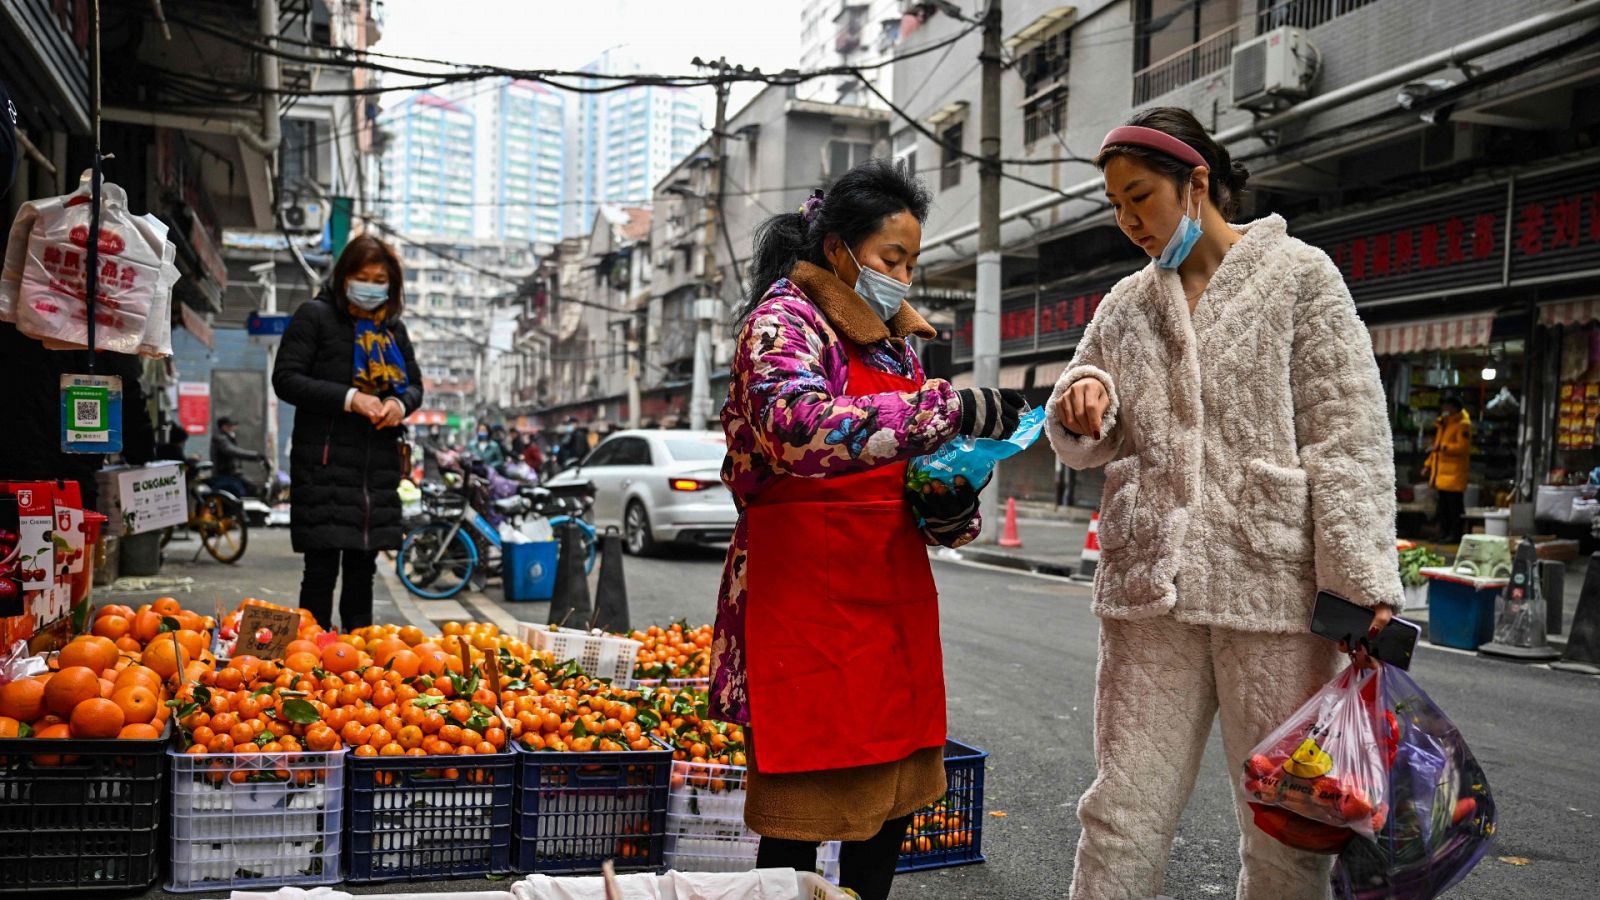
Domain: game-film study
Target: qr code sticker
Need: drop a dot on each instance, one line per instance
(86, 413)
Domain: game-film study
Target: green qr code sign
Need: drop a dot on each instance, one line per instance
(91, 414)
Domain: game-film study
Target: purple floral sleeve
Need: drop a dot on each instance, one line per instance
(788, 384)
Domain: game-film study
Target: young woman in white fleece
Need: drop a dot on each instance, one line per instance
(1231, 393)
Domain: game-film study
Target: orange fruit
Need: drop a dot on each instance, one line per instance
(96, 652)
(191, 621)
(69, 687)
(192, 641)
(56, 731)
(9, 727)
(138, 703)
(128, 644)
(167, 606)
(165, 657)
(385, 649)
(111, 627)
(23, 699)
(339, 657)
(411, 634)
(407, 663)
(107, 687)
(96, 718)
(229, 679)
(139, 731)
(302, 661)
(146, 625)
(140, 676)
(301, 646)
(114, 609)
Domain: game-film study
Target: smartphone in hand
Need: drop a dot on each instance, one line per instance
(1337, 619)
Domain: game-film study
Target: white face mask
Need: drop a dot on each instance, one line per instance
(368, 295)
(881, 292)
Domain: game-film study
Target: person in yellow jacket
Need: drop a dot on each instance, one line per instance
(1447, 464)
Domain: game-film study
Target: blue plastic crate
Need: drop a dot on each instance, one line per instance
(949, 832)
(1460, 616)
(576, 810)
(429, 817)
(529, 570)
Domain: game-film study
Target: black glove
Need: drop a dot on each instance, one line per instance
(990, 413)
(946, 511)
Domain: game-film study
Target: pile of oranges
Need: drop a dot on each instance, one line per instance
(676, 651)
(680, 720)
(114, 682)
(938, 826)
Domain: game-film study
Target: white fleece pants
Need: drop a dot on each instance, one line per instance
(1159, 686)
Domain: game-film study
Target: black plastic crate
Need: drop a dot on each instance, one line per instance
(91, 821)
(949, 832)
(576, 810)
(428, 816)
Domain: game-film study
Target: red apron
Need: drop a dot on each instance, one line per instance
(842, 625)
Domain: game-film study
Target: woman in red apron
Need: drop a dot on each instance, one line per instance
(827, 596)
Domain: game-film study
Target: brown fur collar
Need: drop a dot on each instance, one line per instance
(850, 314)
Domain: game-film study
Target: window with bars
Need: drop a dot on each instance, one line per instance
(950, 158)
(1044, 70)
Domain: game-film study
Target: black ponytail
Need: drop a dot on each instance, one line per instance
(854, 209)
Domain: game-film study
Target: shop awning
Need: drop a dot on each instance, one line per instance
(1046, 375)
(1570, 312)
(1012, 377)
(1432, 334)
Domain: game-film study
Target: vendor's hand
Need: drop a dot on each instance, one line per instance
(990, 412)
(367, 405)
(394, 412)
(1082, 406)
(946, 510)
(1380, 620)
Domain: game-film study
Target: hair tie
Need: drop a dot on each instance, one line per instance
(811, 206)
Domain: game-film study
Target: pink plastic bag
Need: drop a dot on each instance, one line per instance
(1329, 762)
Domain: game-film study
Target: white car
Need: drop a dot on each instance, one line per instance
(658, 487)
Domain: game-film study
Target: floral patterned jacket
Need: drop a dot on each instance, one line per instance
(786, 405)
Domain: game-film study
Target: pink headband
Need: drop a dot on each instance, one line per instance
(1140, 136)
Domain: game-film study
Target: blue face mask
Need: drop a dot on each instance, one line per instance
(1183, 237)
(881, 292)
(368, 295)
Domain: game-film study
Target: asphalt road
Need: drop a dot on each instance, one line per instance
(1020, 656)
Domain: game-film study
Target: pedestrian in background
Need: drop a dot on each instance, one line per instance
(1449, 460)
(487, 448)
(225, 456)
(1231, 393)
(346, 365)
(827, 592)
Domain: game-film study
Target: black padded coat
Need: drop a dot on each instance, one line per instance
(344, 473)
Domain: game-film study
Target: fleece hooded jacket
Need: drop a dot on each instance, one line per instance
(1247, 452)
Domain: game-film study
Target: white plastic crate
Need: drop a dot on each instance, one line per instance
(600, 655)
(259, 819)
(676, 684)
(705, 823)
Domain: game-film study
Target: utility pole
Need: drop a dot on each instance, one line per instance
(706, 309)
(986, 311)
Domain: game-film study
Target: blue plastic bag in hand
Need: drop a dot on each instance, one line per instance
(969, 461)
(1442, 817)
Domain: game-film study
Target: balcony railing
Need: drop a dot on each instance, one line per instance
(1303, 13)
(1187, 65)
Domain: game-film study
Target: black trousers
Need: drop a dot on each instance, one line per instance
(323, 568)
(1450, 515)
(866, 867)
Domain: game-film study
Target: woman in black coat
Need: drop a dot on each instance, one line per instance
(346, 365)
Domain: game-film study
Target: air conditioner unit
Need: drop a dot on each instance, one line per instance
(1274, 70)
(304, 215)
(1448, 144)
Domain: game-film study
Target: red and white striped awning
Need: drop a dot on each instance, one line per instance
(1432, 334)
(1569, 312)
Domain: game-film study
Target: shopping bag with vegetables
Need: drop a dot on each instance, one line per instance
(1443, 816)
(1327, 763)
(967, 461)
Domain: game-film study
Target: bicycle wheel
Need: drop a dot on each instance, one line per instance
(224, 532)
(432, 569)
(590, 541)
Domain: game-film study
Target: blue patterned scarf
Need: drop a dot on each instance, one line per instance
(380, 370)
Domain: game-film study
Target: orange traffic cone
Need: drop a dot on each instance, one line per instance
(1090, 560)
(1009, 537)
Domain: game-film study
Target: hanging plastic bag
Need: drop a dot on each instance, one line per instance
(43, 282)
(1444, 816)
(1326, 763)
(969, 460)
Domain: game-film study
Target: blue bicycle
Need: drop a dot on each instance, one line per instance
(455, 545)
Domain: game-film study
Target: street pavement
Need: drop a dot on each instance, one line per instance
(1019, 662)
